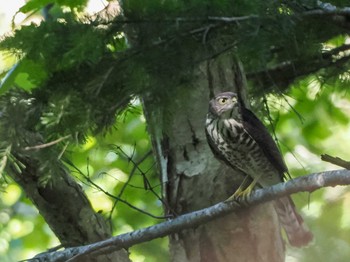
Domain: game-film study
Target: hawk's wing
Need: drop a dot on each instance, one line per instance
(260, 134)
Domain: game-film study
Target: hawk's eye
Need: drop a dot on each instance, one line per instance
(234, 99)
(223, 100)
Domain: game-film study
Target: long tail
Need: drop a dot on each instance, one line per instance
(297, 231)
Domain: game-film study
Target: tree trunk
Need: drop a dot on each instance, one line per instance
(194, 179)
(64, 206)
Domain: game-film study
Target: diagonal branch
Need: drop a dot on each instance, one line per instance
(90, 182)
(307, 183)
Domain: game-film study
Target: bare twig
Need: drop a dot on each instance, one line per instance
(92, 183)
(232, 18)
(322, 12)
(336, 161)
(128, 181)
(122, 200)
(148, 185)
(41, 146)
(307, 183)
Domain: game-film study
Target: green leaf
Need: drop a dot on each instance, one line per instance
(26, 75)
(34, 5)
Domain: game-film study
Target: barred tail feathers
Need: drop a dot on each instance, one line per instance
(297, 231)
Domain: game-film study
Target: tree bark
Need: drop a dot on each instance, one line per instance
(195, 179)
(66, 209)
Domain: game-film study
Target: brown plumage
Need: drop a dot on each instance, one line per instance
(237, 137)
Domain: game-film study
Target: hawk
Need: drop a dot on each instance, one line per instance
(238, 138)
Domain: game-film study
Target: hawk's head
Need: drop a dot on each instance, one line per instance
(225, 105)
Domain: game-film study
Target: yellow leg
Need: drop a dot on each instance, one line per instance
(242, 191)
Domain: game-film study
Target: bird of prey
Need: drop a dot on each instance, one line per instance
(238, 138)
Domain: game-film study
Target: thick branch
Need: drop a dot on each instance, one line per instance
(307, 183)
(284, 74)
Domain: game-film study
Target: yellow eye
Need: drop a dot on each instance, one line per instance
(223, 100)
(234, 99)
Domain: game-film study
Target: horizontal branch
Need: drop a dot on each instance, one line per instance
(307, 183)
(284, 74)
(321, 11)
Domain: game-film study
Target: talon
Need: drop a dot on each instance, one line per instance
(232, 198)
(243, 193)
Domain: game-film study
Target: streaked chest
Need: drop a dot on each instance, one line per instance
(238, 147)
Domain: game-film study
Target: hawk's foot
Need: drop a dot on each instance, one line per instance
(242, 193)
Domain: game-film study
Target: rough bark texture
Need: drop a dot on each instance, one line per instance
(197, 180)
(66, 209)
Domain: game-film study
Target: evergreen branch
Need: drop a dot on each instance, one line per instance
(310, 13)
(321, 11)
(284, 74)
(281, 75)
(5, 154)
(178, 20)
(307, 183)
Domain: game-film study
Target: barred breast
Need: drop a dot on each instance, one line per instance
(233, 143)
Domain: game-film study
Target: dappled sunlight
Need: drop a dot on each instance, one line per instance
(313, 209)
(334, 194)
(345, 219)
(95, 6)
(11, 195)
(137, 257)
(306, 128)
(118, 175)
(18, 228)
(99, 201)
(111, 157)
(7, 10)
(305, 160)
(124, 228)
(89, 143)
